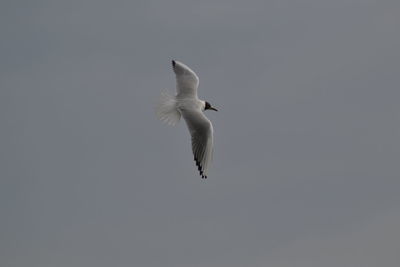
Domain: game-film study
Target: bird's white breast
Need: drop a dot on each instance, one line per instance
(190, 104)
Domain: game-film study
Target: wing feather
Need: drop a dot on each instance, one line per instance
(201, 131)
(186, 80)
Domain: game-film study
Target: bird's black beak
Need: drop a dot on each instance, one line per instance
(208, 106)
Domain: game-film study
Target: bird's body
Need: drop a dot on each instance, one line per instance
(187, 104)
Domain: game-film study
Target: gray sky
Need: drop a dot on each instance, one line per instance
(306, 164)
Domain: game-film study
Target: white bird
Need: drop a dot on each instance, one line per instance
(190, 107)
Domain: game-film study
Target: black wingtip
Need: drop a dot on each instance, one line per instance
(200, 169)
(173, 63)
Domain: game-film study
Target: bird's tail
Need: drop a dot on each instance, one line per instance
(166, 109)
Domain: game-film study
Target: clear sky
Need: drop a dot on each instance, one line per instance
(306, 168)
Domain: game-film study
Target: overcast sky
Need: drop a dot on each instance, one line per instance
(306, 169)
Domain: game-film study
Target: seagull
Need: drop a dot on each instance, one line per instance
(190, 107)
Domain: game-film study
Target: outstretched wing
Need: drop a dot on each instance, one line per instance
(186, 80)
(201, 130)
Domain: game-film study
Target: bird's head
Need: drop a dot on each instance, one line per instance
(208, 106)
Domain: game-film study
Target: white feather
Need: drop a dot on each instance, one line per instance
(201, 131)
(167, 110)
(186, 80)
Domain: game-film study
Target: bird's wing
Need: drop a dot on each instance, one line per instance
(201, 130)
(186, 80)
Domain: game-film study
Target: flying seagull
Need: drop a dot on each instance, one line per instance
(190, 107)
